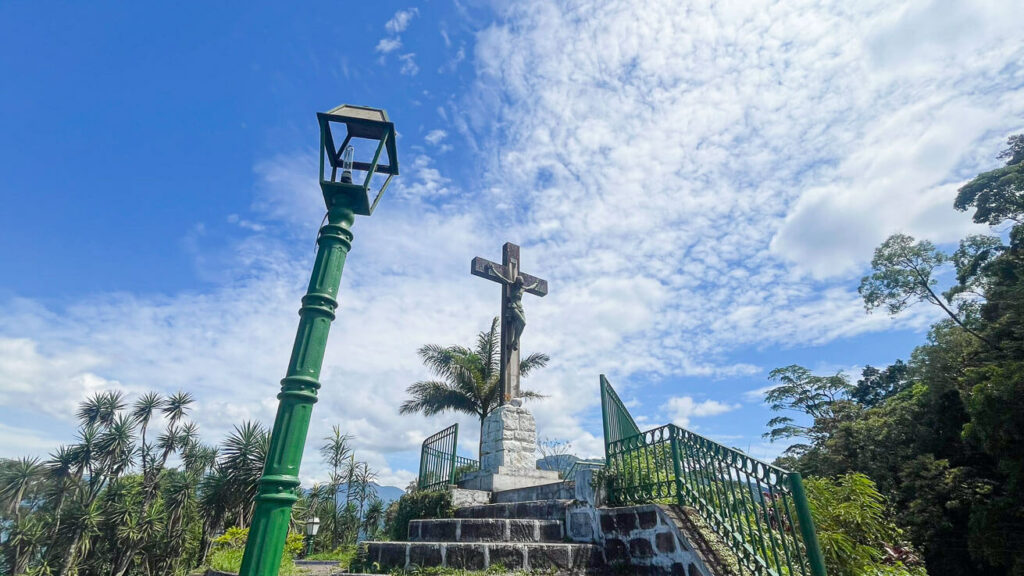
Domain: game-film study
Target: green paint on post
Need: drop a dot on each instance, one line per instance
(279, 484)
(280, 481)
(803, 514)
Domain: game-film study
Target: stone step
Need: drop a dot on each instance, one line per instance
(552, 491)
(537, 510)
(551, 558)
(485, 530)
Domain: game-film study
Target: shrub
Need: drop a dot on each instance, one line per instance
(855, 530)
(226, 555)
(416, 505)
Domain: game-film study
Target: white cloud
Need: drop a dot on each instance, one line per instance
(757, 395)
(681, 409)
(18, 442)
(387, 45)
(396, 25)
(672, 148)
(692, 179)
(409, 67)
(400, 21)
(434, 137)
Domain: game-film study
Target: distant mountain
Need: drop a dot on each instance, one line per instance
(558, 462)
(387, 494)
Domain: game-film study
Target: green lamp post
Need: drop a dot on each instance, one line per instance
(344, 199)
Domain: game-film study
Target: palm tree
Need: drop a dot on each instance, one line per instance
(83, 523)
(24, 536)
(373, 517)
(60, 469)
(364, 479)
(216, 492)
(16, 480)
(468, 378)
(101, 408)
(116, 444)
(245, 451)
(336, 451)
(142, 412)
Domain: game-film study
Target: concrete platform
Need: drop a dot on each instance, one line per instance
(507, 479)
(553, 491)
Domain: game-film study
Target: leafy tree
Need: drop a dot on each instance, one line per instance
(822, 398)
(997, 195)
(876, 385)
(941, 435)
(468, 378)
(904, 274)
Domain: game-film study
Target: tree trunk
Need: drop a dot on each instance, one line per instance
(69, 557)
(204, 544)
(123, 562)
(480, 443)
(21, 556)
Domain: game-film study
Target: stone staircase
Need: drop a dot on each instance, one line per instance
(518, 535)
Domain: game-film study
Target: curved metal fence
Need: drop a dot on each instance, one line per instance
(440, 466)
(758, 510)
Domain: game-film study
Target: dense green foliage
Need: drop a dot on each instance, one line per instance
(111, 504)
(468, 378)
(415, 505)
(854, 529)
(941, 435)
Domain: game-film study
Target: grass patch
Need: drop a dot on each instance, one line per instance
(343, 555)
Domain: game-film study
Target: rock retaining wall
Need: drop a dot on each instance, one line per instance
(650, 539)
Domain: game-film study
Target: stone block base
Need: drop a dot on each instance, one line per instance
(509, 439)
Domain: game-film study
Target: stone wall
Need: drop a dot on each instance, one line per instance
(646, 537)
(462, 498)
(650, 539)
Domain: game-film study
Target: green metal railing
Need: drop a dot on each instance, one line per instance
(440, 466)
(758, 510)
(618, 424)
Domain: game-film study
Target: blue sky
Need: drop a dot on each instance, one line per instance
(701, 183)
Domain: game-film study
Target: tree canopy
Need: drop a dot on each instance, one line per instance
(940, 435)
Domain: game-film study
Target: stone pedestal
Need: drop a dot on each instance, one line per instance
(508, 456)
(509, 440)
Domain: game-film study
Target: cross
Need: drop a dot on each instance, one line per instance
(513, 284)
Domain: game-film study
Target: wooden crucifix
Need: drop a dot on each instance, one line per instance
(514, 283)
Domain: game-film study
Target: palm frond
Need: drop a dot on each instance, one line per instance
(434, 397)
(532, 362)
